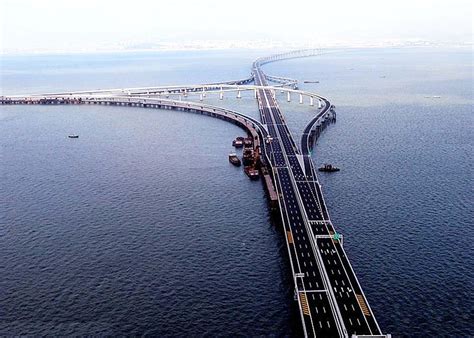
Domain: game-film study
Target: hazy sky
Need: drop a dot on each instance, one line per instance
(62, 24)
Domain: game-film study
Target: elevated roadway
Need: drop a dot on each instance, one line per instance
(329, 295)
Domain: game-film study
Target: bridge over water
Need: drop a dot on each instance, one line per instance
(330, 299)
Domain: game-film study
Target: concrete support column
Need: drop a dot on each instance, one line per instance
(311, 101)
(288, 96)
(221, 95)
(255, 93)
(239, 94)
(320, 105)
(301, 98)
(200, 97)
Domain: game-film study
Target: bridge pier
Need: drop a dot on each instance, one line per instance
(311, 101)
(288, 97)
(301, 98)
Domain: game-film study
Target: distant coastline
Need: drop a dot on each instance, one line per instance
(228, 45)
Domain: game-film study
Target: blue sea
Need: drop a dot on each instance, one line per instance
(142, 227)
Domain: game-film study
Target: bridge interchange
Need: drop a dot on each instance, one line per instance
(330, 299)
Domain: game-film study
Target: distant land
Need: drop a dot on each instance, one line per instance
(134, 46)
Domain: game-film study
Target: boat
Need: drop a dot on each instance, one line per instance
(328, 168)
(247, 156)
(233, 158)
(238, 142)
(73, 136)
(251, 172)
(308, 81)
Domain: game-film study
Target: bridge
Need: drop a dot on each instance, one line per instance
(330, 299)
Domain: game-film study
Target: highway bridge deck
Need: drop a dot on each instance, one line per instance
(330, 298)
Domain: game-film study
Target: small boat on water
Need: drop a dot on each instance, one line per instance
(238, 142)
(328, 168)
(251, 172)
(73, 136)
(234, 159)
(309, 81)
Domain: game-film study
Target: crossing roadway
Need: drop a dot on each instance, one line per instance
(331, 301)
